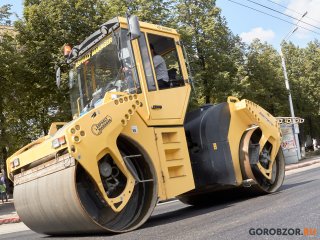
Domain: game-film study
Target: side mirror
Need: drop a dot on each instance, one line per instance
(124, 53)
(71, 79)
(58, 77)
(134, 27)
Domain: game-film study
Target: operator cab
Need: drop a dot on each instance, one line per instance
(107, 67)
(111, 60)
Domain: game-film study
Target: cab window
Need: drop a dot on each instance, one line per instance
(165, 61)
(147, 63)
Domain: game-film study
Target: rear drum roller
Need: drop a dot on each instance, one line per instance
(67, 201)
(255, 166)
(255, 161)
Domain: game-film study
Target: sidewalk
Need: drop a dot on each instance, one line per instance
(304, 163)
(8, 213)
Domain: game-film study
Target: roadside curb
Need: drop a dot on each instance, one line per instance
(300, 165)
(10, 220)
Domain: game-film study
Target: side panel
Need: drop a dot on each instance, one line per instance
(174, 160)
(238, 125)
(171, 102)
(144, 136)
(168, 152)
(244, 115)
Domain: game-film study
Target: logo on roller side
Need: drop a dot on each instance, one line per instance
(98, 128)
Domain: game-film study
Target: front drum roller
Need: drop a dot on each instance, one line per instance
(257, 165)
(68, 202)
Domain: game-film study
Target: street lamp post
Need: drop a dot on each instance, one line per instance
(296, 126)
(283, 62)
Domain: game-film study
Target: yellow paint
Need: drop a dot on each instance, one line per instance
(103, 133)
(174, 175)
(93, 76)
(245, 114)
(54, 127)
(215, 147)
(158, 133)
(174, 160)
(82, 60)
(154, 148)
(101, 46)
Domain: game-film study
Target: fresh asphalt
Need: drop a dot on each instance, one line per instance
(295, 206)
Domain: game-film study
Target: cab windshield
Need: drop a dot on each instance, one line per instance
(107, 67)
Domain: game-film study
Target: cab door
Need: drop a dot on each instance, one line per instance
(166, 105)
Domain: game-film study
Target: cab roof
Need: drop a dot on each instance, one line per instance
(105, 29)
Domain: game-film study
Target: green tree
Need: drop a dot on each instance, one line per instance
(222, 64)
(264, 82)
(13, 134)
(5, 66)
(215, 53)
(304, 75)
(47, 26)
(5, 13)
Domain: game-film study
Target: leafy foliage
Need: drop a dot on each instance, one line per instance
(215, 53)
(304, 75)
(5, 13)
(222, 64)
(264, 78)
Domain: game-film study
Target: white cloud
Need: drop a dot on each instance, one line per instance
(312, 17)
(260, 33)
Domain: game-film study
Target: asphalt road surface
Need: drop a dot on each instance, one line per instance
(295, 209)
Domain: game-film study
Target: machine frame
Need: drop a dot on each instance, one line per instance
(132, 149)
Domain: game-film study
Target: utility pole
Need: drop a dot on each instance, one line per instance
(283, 62)
(295, 126)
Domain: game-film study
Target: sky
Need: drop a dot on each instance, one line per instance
(17, 7)
(250, 24)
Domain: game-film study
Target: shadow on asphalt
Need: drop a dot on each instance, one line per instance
(218, 200)
(292, 185)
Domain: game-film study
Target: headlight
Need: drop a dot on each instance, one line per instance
(15, 163)
(58, 142)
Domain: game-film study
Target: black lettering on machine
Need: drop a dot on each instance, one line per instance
(98, 128)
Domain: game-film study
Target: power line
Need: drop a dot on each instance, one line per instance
(292, 10)
(287, 15)
(246, 6)
(283, 6)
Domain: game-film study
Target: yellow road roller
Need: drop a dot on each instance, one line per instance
(131, 142)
